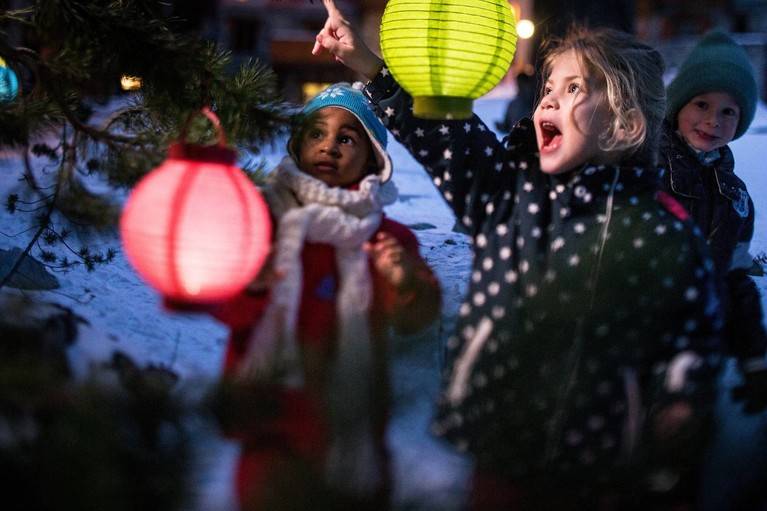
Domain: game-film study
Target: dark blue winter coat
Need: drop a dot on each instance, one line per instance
(589, 301)
(720, 204)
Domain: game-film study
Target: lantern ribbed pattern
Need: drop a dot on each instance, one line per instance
(197, 231)
(446, 53)
(9, 83)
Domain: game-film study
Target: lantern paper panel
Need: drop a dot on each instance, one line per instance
(446, 53)
(196, 231)
(9, 83)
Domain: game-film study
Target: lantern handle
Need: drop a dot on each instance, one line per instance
(214, 120)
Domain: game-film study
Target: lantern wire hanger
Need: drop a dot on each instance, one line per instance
(219, 152)
(196, 228)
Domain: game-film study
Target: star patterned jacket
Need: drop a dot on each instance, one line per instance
(719, 203)
(590, 301)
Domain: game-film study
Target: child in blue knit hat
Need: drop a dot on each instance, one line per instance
(711, 102)
(344, 274)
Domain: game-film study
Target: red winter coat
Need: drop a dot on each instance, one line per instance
(299, 428)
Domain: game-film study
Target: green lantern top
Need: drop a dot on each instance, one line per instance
(446, 53)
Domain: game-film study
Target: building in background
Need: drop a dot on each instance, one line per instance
(675, 26)
(281, 32)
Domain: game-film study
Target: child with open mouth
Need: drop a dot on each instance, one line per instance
(583, 359)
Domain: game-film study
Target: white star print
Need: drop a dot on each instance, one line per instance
(389, 111)
(444, 129)
(419, 132)
(489, 151)
(467, 127)
(448, 154)
(384, 71)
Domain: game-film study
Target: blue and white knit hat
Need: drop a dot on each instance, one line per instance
(343, 95)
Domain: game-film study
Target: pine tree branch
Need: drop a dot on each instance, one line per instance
(32, 242)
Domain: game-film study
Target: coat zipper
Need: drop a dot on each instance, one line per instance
(574, 355)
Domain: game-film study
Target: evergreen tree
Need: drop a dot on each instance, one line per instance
(83, 143)
(72, 124)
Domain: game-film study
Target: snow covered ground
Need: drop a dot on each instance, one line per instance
(129, 317)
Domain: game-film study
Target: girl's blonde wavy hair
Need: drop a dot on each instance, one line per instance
(631, 76)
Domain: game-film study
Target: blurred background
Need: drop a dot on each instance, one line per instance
(281, 32)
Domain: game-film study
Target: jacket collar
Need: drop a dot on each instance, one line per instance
(684, 169)
(588, 186)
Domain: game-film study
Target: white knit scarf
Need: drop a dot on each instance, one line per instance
(306, 209)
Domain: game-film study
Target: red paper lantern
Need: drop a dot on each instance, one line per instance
(196, 228)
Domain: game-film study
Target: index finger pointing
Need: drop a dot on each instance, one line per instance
(330, 6)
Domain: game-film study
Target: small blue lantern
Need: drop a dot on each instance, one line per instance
(9, 83)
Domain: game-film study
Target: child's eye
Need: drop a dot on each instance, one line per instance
(546, 91)
(730, 112)
(701, 104)
(345, 139)
(573, 88)
(315, 134)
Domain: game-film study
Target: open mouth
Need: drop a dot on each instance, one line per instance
(550, 135)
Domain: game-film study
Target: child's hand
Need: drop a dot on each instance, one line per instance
(391, 260)
(342, 41)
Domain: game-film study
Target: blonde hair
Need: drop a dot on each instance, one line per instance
(631, 76)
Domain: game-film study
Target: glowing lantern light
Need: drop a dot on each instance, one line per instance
(525, 29)
(196, 228)
(9, 83)
(129, 83)
(446, 53)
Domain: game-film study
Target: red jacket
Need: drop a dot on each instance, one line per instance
(299, 426)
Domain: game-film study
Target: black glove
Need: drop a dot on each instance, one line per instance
(753, 391)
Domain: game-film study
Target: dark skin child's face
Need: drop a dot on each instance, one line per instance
(335, 149)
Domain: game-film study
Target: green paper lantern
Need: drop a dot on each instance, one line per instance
(446, 53)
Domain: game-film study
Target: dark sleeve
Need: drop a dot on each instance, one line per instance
(690, 351)
(418, 305)
(242, 311)
(744, 329)
(466, 161)
(239, 312)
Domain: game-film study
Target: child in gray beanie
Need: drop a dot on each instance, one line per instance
(711, 102)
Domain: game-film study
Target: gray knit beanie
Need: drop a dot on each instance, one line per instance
(716, 64)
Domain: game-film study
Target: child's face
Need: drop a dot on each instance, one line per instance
(709, 121)
(570, 117)
(335, 149)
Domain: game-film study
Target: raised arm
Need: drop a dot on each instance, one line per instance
(340, 39)
(468, 164)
